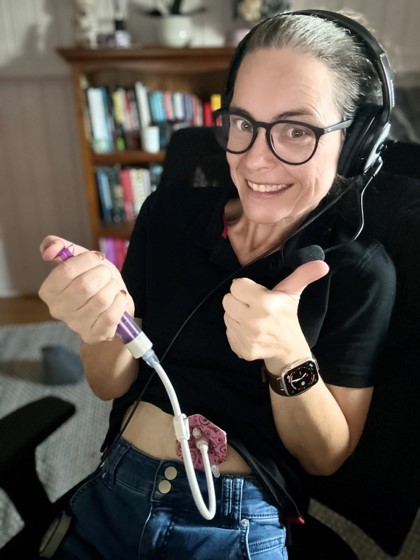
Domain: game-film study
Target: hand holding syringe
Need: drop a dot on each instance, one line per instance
(140, 346)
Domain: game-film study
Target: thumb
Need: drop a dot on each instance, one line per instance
(51, 246)
(300, 278)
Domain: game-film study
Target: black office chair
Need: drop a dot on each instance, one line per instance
(378, 488)
(382, 477)
(21, 432)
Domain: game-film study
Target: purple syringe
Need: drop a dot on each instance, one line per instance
(130, 333)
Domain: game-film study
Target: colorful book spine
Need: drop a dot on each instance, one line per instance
(128, 194)
(105, 199)
(114, 249)
(99, 119)
(141, 92)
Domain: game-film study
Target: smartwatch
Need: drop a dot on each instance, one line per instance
(294, 379)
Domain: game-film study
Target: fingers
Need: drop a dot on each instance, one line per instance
(262, 323)
(52, 245)
(85, 271)
(86, 291)
(92, 305)
(101, 314)
(245, 290)
(300, 278)
(106, 323)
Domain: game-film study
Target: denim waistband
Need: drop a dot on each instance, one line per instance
(166, 484)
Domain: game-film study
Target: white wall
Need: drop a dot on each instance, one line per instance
(41, 182)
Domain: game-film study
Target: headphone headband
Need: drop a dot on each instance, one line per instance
(372, 47)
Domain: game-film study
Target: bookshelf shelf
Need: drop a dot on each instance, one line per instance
(121, 231)
(199, 72)
(128, 157)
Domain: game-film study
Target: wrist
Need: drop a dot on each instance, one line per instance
(276, 364)
(294, 378)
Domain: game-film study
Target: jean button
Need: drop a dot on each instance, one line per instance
(244, 522)
(171, 473)
(164, 486)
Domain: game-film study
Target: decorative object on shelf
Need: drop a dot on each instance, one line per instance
(121, 35)
(253, 11)
(172, 8)
(150, 139)
(174, 30)
(85, 27)
(173, 27)
(247, 13)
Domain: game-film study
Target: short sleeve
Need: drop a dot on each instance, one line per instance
(361, 299)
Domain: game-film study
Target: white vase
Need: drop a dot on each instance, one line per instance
(174, 30)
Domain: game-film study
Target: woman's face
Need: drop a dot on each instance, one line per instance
(271, 85)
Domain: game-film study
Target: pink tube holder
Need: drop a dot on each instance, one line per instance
(201, 428)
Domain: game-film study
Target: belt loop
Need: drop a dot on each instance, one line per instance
(231, 500)
(238, 483)
(111, 462)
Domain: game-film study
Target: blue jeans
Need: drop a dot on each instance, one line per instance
(136, 507)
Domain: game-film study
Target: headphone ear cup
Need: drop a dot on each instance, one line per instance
(361, 139)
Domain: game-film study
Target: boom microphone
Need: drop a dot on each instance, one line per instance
(304, 255)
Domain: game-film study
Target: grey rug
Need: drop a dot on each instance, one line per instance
(72, 451)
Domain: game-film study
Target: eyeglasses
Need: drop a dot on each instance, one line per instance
(291, 142)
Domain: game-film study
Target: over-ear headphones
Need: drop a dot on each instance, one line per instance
(361, 151)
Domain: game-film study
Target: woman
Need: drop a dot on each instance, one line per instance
(319, 328)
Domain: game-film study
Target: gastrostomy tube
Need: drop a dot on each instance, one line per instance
(140, 346)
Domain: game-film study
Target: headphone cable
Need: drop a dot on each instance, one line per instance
(360, 190)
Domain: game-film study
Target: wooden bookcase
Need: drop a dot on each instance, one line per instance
(201, 71)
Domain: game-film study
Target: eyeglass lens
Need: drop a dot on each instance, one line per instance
(292, 142)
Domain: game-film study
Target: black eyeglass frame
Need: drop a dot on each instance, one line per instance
(318, 131)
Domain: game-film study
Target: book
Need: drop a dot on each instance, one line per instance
(157, 108)
(138, 186)
(104, 192)
(120, 251)
(128, 194)
(197, 111)
(215, 101)
(101, 139)
(143, 104)
(114, 249)
(132, 121)
(117, 195)
(168, 104)
(207, 114)
(118, 113)
(155, 174)
(178, 105)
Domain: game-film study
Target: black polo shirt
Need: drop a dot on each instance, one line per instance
(178, 268)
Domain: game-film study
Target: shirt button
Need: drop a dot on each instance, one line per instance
(164, 486)
(171, 473)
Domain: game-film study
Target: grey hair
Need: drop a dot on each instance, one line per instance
(356, 81)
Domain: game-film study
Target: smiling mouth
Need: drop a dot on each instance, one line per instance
(263, 188)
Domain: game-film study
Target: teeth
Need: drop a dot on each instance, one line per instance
(266, 188)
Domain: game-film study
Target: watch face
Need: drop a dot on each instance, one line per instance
(300, 378)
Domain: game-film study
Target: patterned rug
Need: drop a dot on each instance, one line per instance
(72, 451)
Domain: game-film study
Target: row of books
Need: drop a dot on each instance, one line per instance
(122, 191)
(114, 249)
(116, 115)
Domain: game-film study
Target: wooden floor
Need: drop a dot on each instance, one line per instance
(23, 309)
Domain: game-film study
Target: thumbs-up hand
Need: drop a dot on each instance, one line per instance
(87, 291)
(262, 323)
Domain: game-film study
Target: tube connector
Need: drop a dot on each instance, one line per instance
(182, 427)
